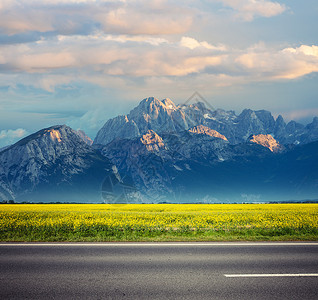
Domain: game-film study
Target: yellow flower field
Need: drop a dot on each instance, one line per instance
(105, 222)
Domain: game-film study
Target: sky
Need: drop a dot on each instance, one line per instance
(81, 62)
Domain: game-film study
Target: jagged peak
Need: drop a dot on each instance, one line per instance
(263, 111)
(248, 111)
(280, 119)
(201, 129)
(266, 140)
(198, 105)
(150, 101)
(169, 103)
(293, 126)
(313, 124)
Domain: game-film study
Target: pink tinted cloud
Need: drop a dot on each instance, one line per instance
(116, 17)
(247, 10)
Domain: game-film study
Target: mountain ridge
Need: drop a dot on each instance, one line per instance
(165, 116)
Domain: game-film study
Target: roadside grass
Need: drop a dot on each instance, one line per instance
(158, 222)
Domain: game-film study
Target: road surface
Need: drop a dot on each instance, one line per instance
(159, 271)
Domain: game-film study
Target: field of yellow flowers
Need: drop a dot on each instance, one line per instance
(158, 222)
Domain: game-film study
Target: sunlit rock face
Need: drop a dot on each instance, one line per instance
(50, 160)
(207, 131)
(152, 141)
(164, 116)
(266, 140)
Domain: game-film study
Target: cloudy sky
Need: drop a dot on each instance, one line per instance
(80, 62)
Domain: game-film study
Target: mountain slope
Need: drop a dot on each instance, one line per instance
(53, 164)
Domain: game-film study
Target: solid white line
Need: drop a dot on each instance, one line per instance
(272, 275)
(154, 244)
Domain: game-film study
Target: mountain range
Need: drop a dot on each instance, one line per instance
(164, 116)
(163, 152)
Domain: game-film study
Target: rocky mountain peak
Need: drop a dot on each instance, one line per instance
(199, 105)
(280, 120)
(169, 104)
(280, 128)
(266, 140)
(46, 146)
(54, 135)
(280, 123)
(118, 127)
(149, 105)
(207, 131)
(247, 113)
(313, 124)
(294, 126)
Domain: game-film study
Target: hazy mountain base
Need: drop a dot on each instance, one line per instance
(210, 170)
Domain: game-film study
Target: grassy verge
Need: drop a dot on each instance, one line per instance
(158, 222)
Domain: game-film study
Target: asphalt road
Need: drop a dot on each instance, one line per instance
(159, 271)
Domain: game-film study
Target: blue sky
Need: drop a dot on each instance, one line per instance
(82, 62)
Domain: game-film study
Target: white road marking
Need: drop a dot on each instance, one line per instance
(272, 275)
(154, 244)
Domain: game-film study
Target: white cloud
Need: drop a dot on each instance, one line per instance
(249, 9)
(86, 56)
(108, 56)
(10, 136)
(80, 17)
(288, 63)
(111, 60)
(192, 43)
(304, 49)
